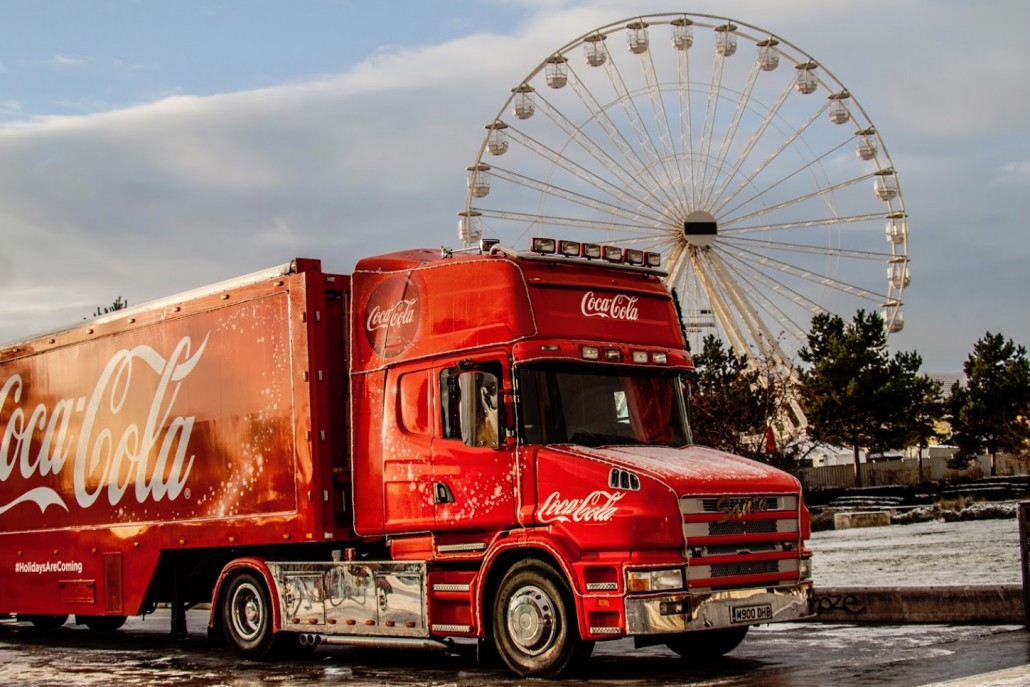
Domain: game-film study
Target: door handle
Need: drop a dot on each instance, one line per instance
(443, 493)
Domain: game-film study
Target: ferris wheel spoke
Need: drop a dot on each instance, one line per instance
(808, 165)
(769, 281)
(641, 198)
(787, 247)
(756, 136)
(601, 116)
(645, 140)
(820, 193)
(810, 275)
(573, 196)
(787, 143)
(675, 264)
(731, 131)
(575, 222)
(664, 127)
(760, 334)
(708, 132)
(629, 178)
(686, 125)
(721, 310)
(755, 291)
(805, 224)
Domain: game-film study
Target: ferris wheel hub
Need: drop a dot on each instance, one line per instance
(700, 228)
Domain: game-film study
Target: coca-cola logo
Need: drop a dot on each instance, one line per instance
(616, 307)
(36, 442)
(392, 316)
(400, 314)
(598, 506)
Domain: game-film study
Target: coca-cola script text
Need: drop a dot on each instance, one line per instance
(153, 458)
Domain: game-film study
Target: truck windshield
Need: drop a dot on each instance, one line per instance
(594, 405)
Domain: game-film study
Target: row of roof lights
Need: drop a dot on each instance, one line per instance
(614, 355)
(596, 251)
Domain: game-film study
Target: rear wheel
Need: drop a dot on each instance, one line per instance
(247, 617)
(47, 622)
(102, 623)
(534, 622)
(706, 644)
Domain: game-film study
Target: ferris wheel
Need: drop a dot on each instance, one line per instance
(736, 155)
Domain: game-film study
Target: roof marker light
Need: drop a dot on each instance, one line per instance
(569, 248)
(591, 352)
(660, 358)
(591, 251)
(543, 246)
(612, 253)
(640, 357)
(612, 354)
(634, 257)
(653, 259)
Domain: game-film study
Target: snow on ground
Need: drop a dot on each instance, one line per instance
(930, 553)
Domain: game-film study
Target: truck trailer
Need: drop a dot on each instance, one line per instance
(440, 449)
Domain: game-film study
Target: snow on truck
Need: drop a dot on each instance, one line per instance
(437, 447)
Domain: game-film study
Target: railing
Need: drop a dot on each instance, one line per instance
(906, 472)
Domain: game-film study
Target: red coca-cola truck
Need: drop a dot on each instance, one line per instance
(485, 446)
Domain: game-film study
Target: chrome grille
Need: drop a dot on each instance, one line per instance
(718, 529)
(744, 568)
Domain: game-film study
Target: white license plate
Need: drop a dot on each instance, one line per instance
(750, 614)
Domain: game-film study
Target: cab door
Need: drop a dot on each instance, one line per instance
(473, 462)
(407, 452)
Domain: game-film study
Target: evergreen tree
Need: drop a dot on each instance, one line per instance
(856, 395)
(118, 304)
(992, 411)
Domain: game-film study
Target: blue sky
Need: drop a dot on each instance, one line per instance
(78, 58)
(147, 148)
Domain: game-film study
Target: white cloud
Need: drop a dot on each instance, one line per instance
(1015, 174)
(66, 61)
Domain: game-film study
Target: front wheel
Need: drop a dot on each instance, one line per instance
(247, 617)
(534, 622)
(707, 644)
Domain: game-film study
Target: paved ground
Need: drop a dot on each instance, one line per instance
(800, 655)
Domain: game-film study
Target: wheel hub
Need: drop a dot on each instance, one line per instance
(247, 612)
(531, 620)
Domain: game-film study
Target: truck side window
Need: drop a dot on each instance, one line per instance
(469, 406)
(413, 402)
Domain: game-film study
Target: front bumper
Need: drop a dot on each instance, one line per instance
(686, 612)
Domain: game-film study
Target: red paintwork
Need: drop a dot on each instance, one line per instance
(179, 428)
(304, 408)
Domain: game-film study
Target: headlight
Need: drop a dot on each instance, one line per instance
(670, 579)
(805, 568)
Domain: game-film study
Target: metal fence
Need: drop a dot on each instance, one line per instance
(902, 472)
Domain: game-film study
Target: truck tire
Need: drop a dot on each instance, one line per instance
(707, 644)
(47, 622)
(247, 617)
(534, 622)
(101, 623)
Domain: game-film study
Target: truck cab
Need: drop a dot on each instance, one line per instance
(535, 445)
